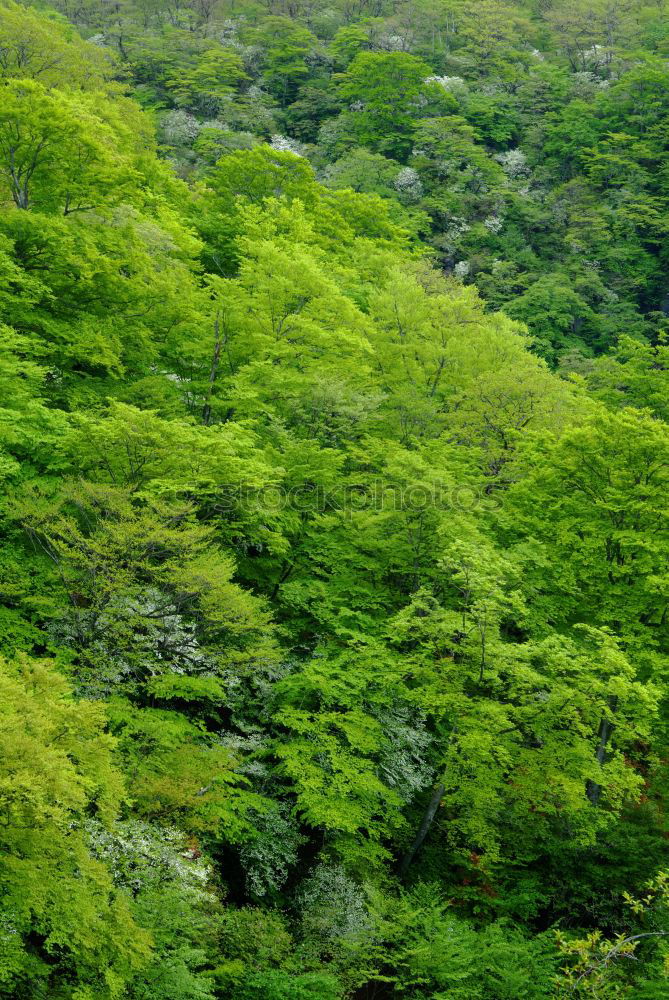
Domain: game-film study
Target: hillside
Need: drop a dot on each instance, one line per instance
(334, 535)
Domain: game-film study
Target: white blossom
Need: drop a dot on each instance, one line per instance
(408, 183)
(462, 269)
(131, 638)
(214, 123)
(394, 43)
(451, 236)
(586, 84)
(227, 32)
(493, 223)
(140, 855)
(513, 163)
(333, 135)
(283, 144)
(333, 906)
(179, 128)
(450, 83)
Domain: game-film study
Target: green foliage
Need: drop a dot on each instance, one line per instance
(594, 963)
(336, 620)
(55, 154)
(47, 49)
(384, 92)
(285, 46)
(434, 953)
(172, 895)
(65, 929)
(149, 593)
(215, 75)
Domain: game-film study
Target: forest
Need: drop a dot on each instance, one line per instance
(334, 520)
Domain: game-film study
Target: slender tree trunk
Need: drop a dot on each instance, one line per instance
(432, 806)
(213, 372)
(606, 727)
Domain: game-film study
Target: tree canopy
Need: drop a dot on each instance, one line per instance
(335, 462)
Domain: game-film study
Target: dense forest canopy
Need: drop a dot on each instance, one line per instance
(334, 556)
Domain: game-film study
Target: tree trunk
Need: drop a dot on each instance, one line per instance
(213, 371)
(433, 805)
(592, 789)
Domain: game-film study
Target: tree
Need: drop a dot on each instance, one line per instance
(565, 317)
(387, 94)
(147, 593)
(594, 966)
(54, 153)
(515, 727)
(604, 484)
(216, 75)
(65, 928)
(635, 374)
(36, 46)
(170, 889)
(285, 46)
